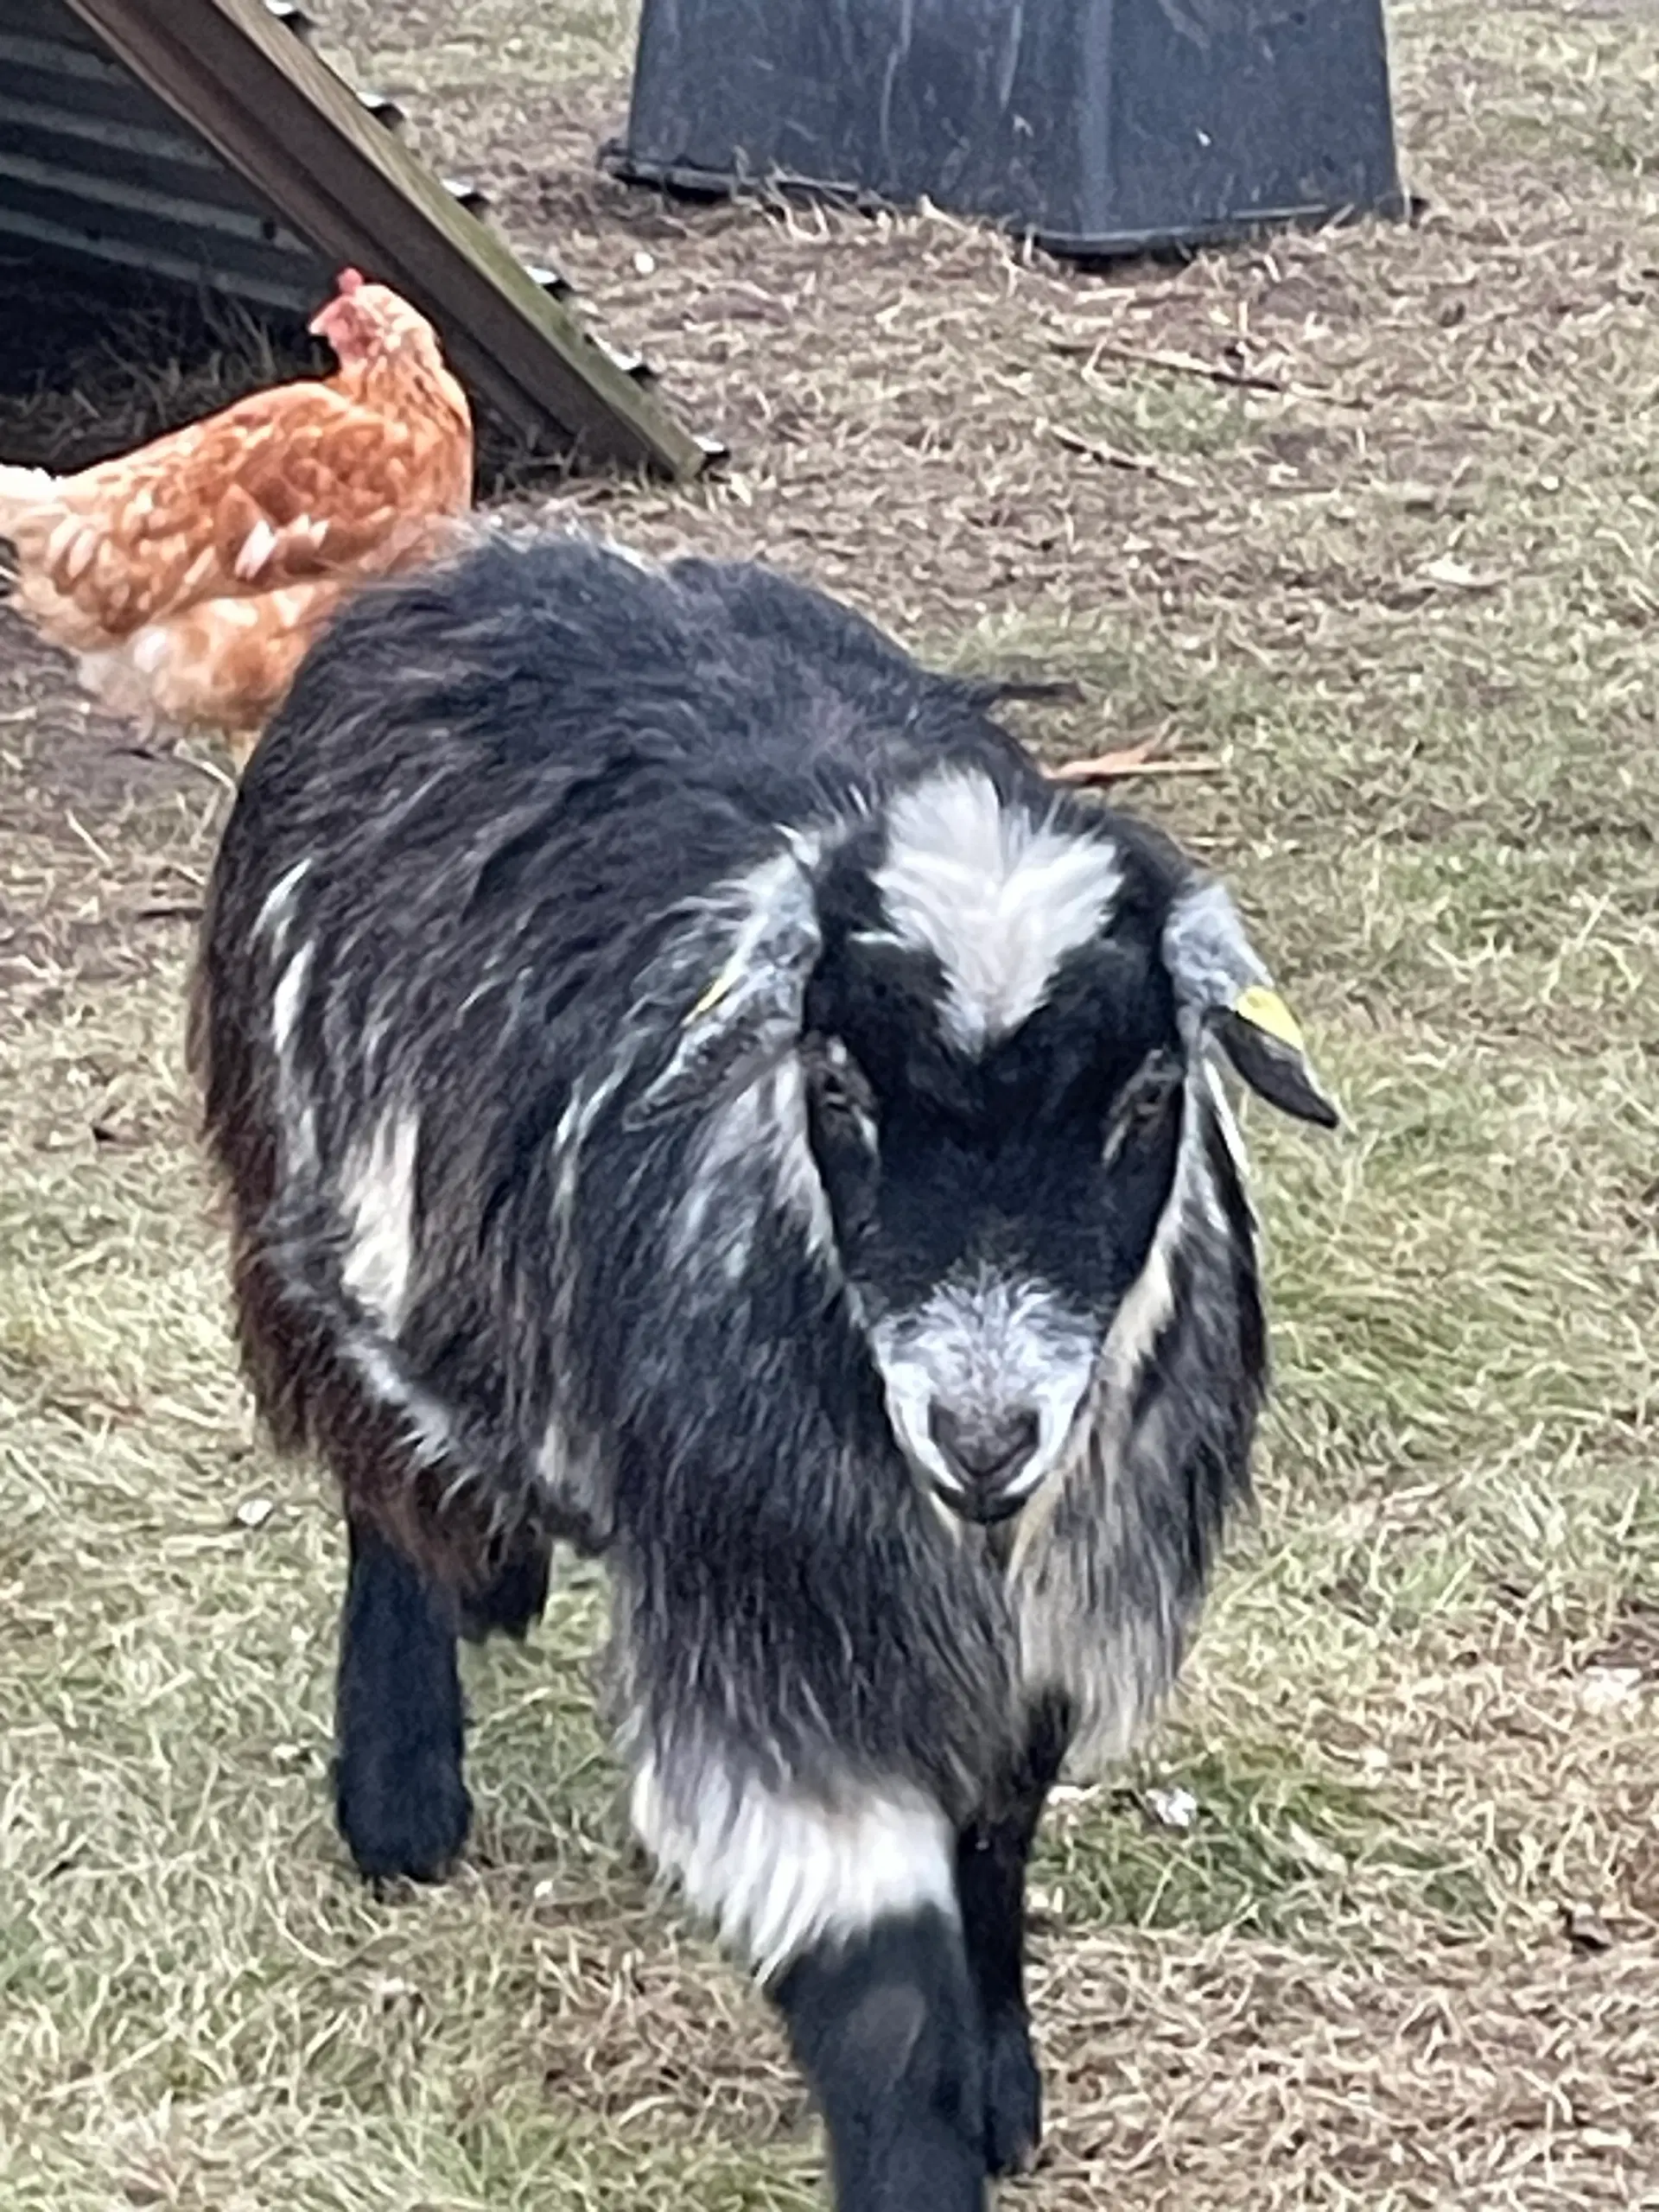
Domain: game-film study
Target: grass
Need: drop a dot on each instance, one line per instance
(1405, 604)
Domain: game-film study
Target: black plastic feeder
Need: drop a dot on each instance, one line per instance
(1094, 126)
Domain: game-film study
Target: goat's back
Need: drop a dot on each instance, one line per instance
(727, 694)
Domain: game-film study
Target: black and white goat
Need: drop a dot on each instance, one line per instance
(688, 1087)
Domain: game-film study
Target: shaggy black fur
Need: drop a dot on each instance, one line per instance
(398, 1793)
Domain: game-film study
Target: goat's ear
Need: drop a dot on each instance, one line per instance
(1223, 990)
(749, 1013)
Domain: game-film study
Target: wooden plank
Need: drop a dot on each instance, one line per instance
(281, 118)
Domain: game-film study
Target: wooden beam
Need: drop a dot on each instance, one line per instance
(283, 120)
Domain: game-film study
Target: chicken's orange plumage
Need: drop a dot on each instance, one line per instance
(191, 575)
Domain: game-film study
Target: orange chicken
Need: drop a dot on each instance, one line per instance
(190, 576)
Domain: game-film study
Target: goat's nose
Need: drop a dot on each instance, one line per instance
(985, 1453)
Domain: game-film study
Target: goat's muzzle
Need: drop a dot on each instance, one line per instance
(986, 1457)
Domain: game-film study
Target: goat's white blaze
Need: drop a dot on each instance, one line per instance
(377, 1196)
(780, 1873)
(997, 894)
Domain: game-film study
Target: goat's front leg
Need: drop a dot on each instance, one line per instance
(399, 1794)
(885, 2028)
(992, 1854)
(848, 1908)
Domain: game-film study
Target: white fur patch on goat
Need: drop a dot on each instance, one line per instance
(277, 910)
(572, 1470)
(1113, 1670)
(780, 1873)
(983, 1346)
(377, 1196)
(1146, 1306)
(589, 1097)
(427, 1428)
(753, 1153)
(748, 1009)
(774, 898)
(1226, 1121)
(998, 896)
(288, 997)
(295, 1111)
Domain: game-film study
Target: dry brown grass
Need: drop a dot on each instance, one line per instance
(1407, 600)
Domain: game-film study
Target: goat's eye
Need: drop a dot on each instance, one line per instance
(1144, 1104)
(841, 1095)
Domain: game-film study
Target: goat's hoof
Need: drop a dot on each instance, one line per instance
(410, 1818)
(1013, 2098)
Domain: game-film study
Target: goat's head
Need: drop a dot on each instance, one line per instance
(999, 1011)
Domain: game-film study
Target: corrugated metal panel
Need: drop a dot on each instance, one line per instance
(95, 168)
(203, 141)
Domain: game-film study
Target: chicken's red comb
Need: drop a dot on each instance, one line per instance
(349, 279)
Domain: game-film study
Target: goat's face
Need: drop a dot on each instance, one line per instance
(991, 1203)
(994, 1013)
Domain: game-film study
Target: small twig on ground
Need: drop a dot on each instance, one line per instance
(1023, 690)
(1127, 756)
(1115, 457)
(1093, 351)
(88, 840)
(211, 769)
(1130, 760)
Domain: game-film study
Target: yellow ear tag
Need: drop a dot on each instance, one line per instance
(1264, 1009)
(712, 997)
